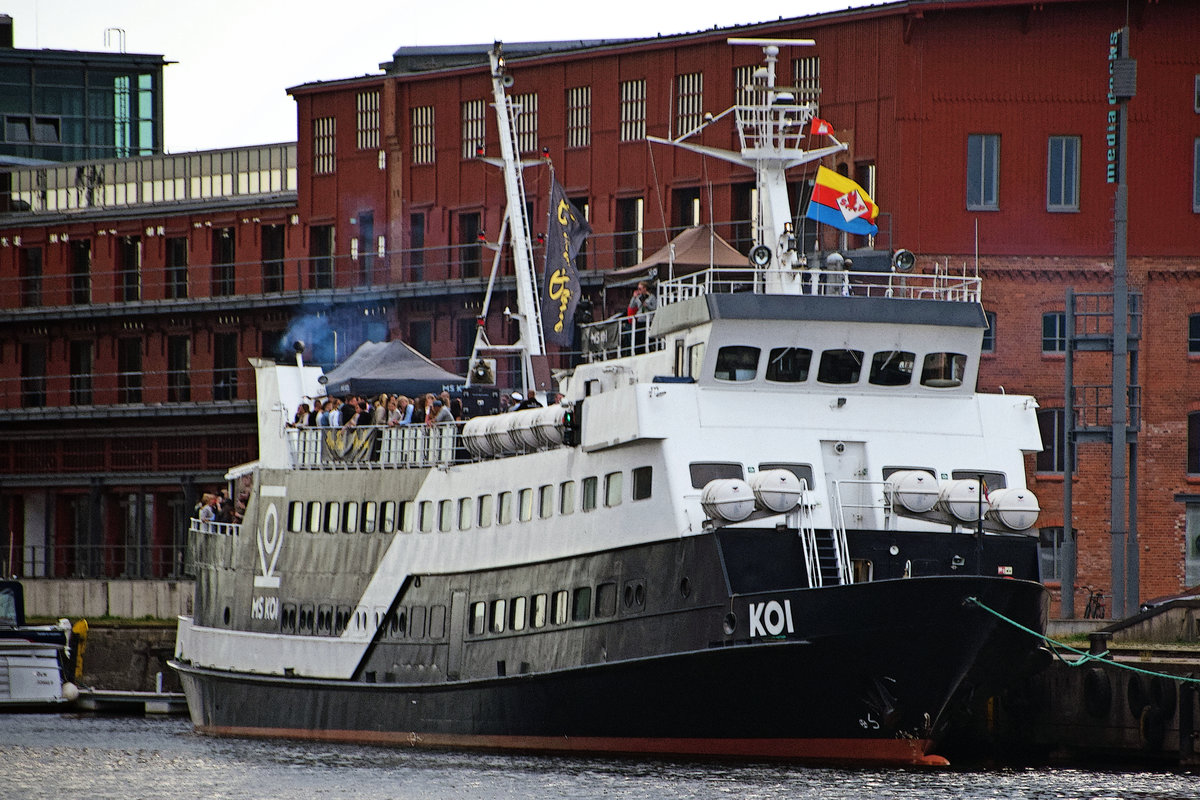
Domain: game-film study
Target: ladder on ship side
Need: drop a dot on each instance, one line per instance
(826, 559)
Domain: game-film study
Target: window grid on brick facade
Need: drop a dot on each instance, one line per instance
(474, 128)
(1062, 174)
(983, 172)
(806, 78)
(1196, 176)
(579, 116)
(367, 119)
(689, 93)
(525, 122)
(989, 334)
(1193, 443)
(422, 134)
(1053, 428)
(324, 145)
(1054, 332)
(743, 79)
(633, 110)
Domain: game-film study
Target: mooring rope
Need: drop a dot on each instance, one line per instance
(1084, 655)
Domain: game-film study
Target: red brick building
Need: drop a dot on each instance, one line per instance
(980, 128)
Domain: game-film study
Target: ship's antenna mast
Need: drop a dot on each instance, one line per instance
(531, 343)
(770, 129)
(528, 315)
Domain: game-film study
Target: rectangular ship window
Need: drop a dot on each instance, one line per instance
(566, 498)
(581, 604)
(538, 612)
(561, 603)
(643, 480)
(484, 518)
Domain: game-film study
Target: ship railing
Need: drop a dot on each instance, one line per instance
(619, 337)
(865, 504)
(892, 285)
(214, 528)
(775, 128)
(378, 446)
(807, 530)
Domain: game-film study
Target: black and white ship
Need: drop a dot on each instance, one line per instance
(751, 527)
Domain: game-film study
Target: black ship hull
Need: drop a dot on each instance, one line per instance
(865, 674)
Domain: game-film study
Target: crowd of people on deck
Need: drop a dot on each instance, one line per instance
(380, 411)
(218, 507)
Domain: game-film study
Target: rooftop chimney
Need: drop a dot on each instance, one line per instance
(6, 31)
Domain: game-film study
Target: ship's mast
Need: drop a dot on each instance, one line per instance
(771, 131)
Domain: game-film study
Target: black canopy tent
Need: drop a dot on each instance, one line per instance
(391, 367)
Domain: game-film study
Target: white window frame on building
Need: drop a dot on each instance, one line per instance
(422, 133)
(983, 172)
(689, 102)
(633, 110)
(579, 116)
(367, 119)
(324, 145)
(1062, 173)
(1054, 332)
(474, 128)
(525, 122)
(806, 78)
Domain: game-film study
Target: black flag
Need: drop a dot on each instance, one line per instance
(560, 289)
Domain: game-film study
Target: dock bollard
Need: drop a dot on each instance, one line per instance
(1098, 642)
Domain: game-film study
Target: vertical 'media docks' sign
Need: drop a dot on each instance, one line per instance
(1122, 84)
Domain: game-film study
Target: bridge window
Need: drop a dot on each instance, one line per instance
(478, 618)
(840, 366)
(350, 520)
(892, 368)
(566, 498)
(445, 515)
(589, 493)
(314, 517)
(613, 489)
(737, 363)
(368, 517)
(943, 370)
(788, 364)
(643, 482)
(426, 516)
(545, 502)
(333, 515)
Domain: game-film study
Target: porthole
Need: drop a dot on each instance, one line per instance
(685, 587)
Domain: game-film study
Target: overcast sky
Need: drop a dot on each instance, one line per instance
(235, 59)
